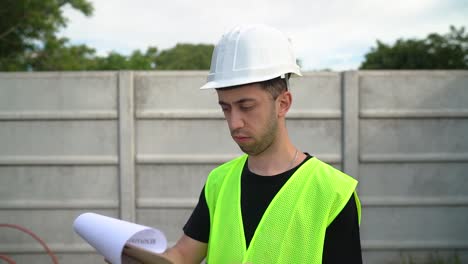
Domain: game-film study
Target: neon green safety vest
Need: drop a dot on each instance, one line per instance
(292, 229)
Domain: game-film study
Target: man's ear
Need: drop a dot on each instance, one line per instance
(284, 103)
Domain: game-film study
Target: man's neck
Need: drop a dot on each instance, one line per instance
(275, 160)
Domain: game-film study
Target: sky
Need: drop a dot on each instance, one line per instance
(326, 34)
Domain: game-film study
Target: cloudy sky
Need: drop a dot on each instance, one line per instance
(327, 34)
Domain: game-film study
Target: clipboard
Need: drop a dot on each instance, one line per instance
(111, 236)
(144, 256)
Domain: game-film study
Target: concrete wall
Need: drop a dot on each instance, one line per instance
(139, 145)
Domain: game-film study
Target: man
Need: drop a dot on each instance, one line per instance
(276, 204)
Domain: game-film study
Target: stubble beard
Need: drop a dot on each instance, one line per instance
(264, 140)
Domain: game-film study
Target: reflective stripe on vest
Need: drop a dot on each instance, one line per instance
(292, 229)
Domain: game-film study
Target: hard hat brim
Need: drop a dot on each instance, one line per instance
(242, 81)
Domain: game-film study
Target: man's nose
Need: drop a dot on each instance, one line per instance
(236, 120)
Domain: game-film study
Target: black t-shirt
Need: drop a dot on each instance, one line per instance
(342, 240)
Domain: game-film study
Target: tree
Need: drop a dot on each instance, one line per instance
(136, 61)
(56, 55)
(185, 57)
(448, 51)
(27, 25)
(28, 41)
(146, 61)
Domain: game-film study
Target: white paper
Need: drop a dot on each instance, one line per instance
(109, 235)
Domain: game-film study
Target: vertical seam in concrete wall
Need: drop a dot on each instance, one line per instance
(350, 123)
(126, 146)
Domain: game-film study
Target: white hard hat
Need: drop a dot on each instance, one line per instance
(249, 54)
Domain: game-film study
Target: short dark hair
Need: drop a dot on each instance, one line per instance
(275, 86)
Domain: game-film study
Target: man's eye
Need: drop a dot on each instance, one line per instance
(246, 107)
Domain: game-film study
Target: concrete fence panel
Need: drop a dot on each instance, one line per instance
(139, 145)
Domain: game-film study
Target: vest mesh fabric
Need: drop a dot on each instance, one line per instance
(293, 227)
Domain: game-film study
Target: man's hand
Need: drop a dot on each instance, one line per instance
(126, 260)
(135, 255)
(185, 251)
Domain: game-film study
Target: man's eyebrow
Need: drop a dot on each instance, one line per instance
(240, 101)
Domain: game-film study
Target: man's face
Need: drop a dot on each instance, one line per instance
(251, 116)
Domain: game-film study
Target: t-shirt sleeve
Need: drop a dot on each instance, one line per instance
(342, 239)
(198, 225)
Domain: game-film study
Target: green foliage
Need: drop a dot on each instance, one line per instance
(114, 61)
(185, 57)
(147, 61)
(449, 51)
(58, 55)
(28, 41)
(25, 25)
(55, 56)
(136, 61)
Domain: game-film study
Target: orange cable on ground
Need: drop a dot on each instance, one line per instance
(7, 259)
(29, 232)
